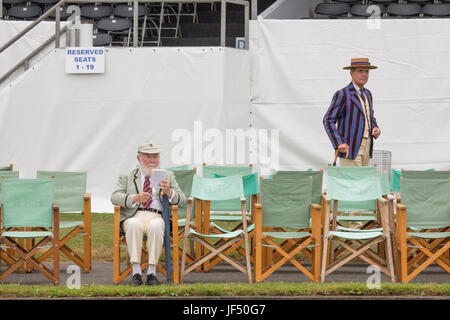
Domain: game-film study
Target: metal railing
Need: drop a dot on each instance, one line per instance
(59, 30)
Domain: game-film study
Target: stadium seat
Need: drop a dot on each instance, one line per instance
(23, 12)
(362, 10)
(96, 11)
(332, 10)
(28, 203)
(43, 3)
(101, 39)
(11, 3)
(117, 28)
(124, 10)
(403, 9)
(436, 10)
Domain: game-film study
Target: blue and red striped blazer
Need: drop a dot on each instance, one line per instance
(347, 112)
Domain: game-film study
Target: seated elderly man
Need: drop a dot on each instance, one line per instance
(141, 210)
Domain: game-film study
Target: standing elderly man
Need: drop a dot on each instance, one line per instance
(352, 110)
(141, 210)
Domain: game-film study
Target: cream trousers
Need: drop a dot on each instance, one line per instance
(149, 224)
(362, 158)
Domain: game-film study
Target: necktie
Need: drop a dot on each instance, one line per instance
(148, 189)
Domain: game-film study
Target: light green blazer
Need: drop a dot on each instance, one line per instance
(130, 184)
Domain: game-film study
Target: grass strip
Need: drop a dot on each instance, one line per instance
(228, 289)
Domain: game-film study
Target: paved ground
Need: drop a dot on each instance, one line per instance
(102, 273)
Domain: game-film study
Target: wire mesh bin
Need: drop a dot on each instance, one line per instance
(382, 160)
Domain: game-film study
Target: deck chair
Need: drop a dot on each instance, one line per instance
(6, 255)
(71, 197)
(357, 242)
(427, 174)
(28, 203)
(227, 211)
(415, 174)
(184, 180)
(286, 208)
(250, 184)
(7, 168)
(369, 207)
(317, 181)
(423, 226)
(205, 191)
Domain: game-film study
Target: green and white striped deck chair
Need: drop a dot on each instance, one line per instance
(423, 226)
(71, 197)
(206, 191)
(356, 242)
(286, 208)
(28, 203)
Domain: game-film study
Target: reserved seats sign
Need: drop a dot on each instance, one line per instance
(85, 60)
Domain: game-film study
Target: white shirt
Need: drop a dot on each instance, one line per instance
(156, 204)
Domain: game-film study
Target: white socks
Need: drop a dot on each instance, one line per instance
(137, 269)
(151, 269)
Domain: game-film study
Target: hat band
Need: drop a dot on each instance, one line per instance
(360, 63)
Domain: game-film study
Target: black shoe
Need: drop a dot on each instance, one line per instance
(136, 280)
(151, 280)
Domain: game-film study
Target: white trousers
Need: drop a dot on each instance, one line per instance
(149, 224)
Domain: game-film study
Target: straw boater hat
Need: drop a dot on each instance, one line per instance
(359, 63)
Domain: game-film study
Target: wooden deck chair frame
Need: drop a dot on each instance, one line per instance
(85, 230)
(289, 248)
(27, 254)
(208, 228)
(119, 239)
(414, 252)
(269, 255)
(362, 250)
(237, 246)
(212, 250)
(8, 255)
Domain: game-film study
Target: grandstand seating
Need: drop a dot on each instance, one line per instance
(198, 25)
